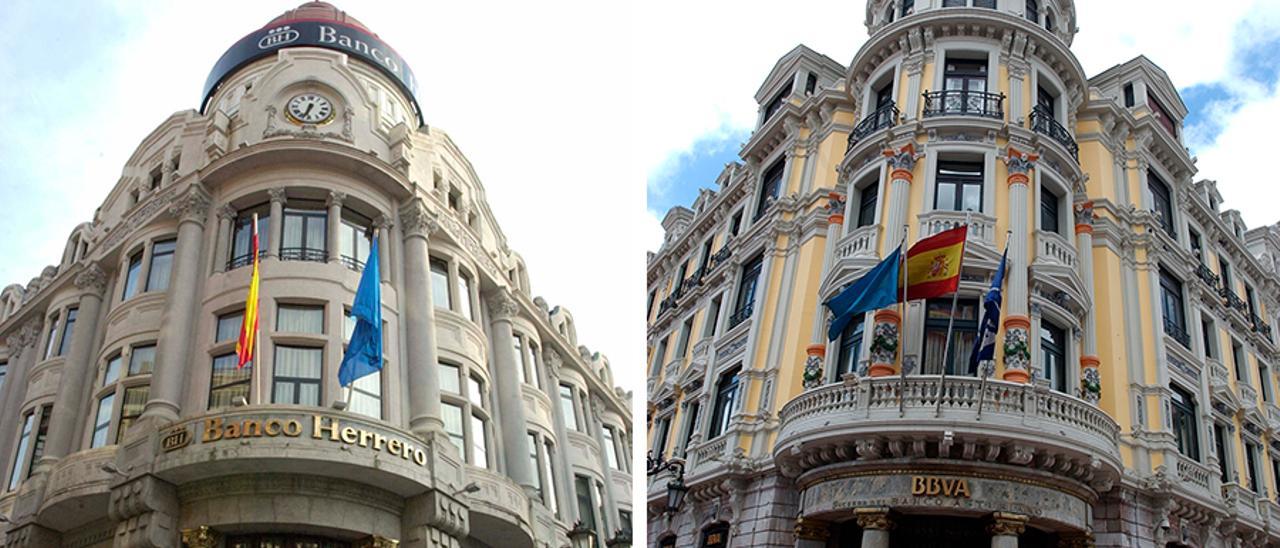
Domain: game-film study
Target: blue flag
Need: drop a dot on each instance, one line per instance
(364, 351)
(877, 288)
(984, 348)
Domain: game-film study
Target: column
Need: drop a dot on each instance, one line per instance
(417, 223)
(226, 214)
(78, 368)
(561, 470)
(383, 225)
(502, 308)
(914, 66)
(887, 324)
(1090, 374)
(1005, 528)
(1017, 72)
(335, 225)
(812, 533)
(1017, 325)
(815, 353)
(594, 409)
(22, 356)
(177, 321)
(875, 524)
(277, 222)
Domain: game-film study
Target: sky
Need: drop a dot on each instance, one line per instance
(700, 80)
(528, 104)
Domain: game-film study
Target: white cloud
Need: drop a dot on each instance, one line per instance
(1234, 159)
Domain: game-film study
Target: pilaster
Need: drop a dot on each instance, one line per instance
(92, 281)
(276, 226)
(418, 223)
(1017, 324)
(502, 308)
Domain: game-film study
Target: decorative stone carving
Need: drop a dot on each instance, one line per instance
(348, 117)
(418, 220)
(811, 529)
(92, 278)
(336, 198)
(1017, 353)
(140, 509)
(226, 212)
(1090, 379)
(1005, 524)
(874, 518)
(551, 359)
(884, 343)
(277, 195)
(21, 339)
(902, 160)
(813, 365)
(502, 306)
(201, 537)
(375, 541)
(192, 206)
(1020, 164)
(835, 208)
(382, 222)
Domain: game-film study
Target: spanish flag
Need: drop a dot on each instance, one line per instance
(933, 264)
(249, 327)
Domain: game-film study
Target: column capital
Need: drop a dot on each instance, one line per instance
(227, 212)
(835, 208)
(192, 206)
(335, 198)
(376, 541)
(277, 195)
(812, 529)
(201, 537)
(92, 279)
(502, 306)
(27, 336)
(876, 518)
(1084, 217)
(551, 359)
(382, 222)
(417, 219)
(1005, 524)
(1020, 164)
(902, 161)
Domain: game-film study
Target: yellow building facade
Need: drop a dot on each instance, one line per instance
(1130, 401)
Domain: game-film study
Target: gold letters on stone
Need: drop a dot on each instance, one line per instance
(933, 486)
(323, 427)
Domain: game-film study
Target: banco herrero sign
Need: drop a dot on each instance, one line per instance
(212, 430)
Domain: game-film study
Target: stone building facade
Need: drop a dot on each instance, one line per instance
(125, 422)
(1132, 398)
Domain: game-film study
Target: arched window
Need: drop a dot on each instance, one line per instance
(1033, 11)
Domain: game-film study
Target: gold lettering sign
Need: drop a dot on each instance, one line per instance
(933, 486)
(177, 438)
(214, 429)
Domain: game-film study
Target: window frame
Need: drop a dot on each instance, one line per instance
(1185, 422)
(725, 401)
(167, 254)
(962, 182)
(297, 382)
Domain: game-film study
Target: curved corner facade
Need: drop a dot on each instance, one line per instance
(125, 422)
(1130, 401)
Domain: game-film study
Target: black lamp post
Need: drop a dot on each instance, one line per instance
(676, 489)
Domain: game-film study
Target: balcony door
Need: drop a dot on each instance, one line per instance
(965, 81)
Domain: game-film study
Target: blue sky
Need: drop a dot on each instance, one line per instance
(1225, 61)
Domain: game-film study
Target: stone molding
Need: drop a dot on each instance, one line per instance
(1007, 524)
(418, 220)
(277, 195)
(201, 537)
(192, 206)
(140, 507)
(502, 306)
(874, 518)
(811, 529)
(335, 198)
(92, 278)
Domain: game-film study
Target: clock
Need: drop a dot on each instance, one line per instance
(309, 108)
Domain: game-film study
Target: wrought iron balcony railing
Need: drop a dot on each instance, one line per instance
(957, 102)
(741, 315)
(1042, 122)
(352, 263)
(883, 118)
(1178, 333)
(303, 254)
(1207, 275)
(244, 260)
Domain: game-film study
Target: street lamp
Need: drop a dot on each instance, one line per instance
(676, 489)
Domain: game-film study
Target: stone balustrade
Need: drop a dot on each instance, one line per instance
(982, 228)
(1194, 473)
(861, 242)
(1053, 249)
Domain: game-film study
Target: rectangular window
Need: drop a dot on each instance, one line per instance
(135, 399)
(300, 319)
(706, 253)
(228, 328)
(959, 186)
(533, 365)
(132, 272)
(440, 285)
(1184, 423)
(532, 443)
(450, 378)
(354, 240)
(242, 236)
(776, 103)
(475, 392)
(770, 186)
(610, 450)
(452, 416)
(1161, 203)
(660, 430)
(479, 443)
(366, 395)
(297, 375)
(42, 433)
(867, 204)
(51, 338)
(1224, 272)
(1053, 355)
(1049, 211)
(1238, 361)
(682, 344)
(1171, 305)
(747, 290)
(552, 493)
(1210, 339)
(102, 421)
(161, 265)
(659, 354)
(1162, 116)
(964, 332)
(1264, 379)
(1251, 461)
(1197, 248)
(810, 84)
(464, 295)
(68, 332)
(690, 424)
(517, 346)
(228, 381)
(304, 235)
(567, 408)
(734, 224)
(713, 318)
(586, 510)
(850, 346)
(112, 371)
(726, 397)
(1220, 444)
(15, 473)
(1128, 95)
(142, 359)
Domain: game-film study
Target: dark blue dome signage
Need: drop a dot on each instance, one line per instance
(321, 34)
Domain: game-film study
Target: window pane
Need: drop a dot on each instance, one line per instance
(450, 379)
(567, 409)
(946, 199)
(228, 328)
(102, 421)
(550, 494)
(533, 366)
(300, 319)
(610, 451)
(440, 284)
(518, 348)
(532, 442)
(464, 296)
(68, 331)
(131, 276)
(135, 398)
(452, 416)
(142, 360)
(161, 264)
(366, 395)
(15, 476)
(297, 375)
(228, 381)
(586, 510)
(475, 392)
(479, 443)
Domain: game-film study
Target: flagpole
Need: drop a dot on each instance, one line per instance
(951, 319)
(257, 329)
(982, 385)
(902, 327)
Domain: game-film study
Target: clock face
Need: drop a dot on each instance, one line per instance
(310, 108)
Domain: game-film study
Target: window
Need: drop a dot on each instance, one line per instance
(68, 332)
(1162, 116)
(440, 284)
(228, 327)
(964, 332)
(297, 375)
(479, 442)
(1210, 339)
(228, 381)
(452, 415)
(1224, 272)
(112, 370)
(586, 510)
(867, 204)
(464, 295)
(1220, 444)
(156, 177)
(959, 186)
(706, 253)
(747, 290)
(954, 3)
(776, 103)
(1128, 95)
(1264, 379)
(1184, 423)
(475, 391)
(908, 7)
(42, 433)
(161, 265)
(770, 185)
(1048, 21)
(965, 85)
(1238, 361)
(135, 399)
(132, 272)
(51, 337)
(15, 473)
(725, 399)
(659, 354)
(1251, 461)
(567, 408)
(1033, 11)
(450, 378)
(1053, 355)
(1171, 306)
(532, 442)
(1049, 204)
(1248, 299)
(1197, 248)
(300, 319)
(242, 236)
(533, 365)
(551, 494)
(850, 347)
(354, 240)
(713, 318)
(4, 370)
(142, 359)
(690, 424)
(682, 346)
(1161, 202)
(610, 450)
(734, 224)
(660, 431)
(810, 84)
(989, 4)
(517, 348)
(102, 421)
(304, 235)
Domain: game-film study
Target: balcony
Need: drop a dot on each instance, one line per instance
(883, 118)
(1020, 425)
(1194, 473)
(303, 254)
(955, 102)
(859, 243)
(742, 314)
(1054, 249)
(1248, 395)
(1173, 329)
(244, 260)
(352, 263)
(1207, 276)
(982, 228)
(1233, 300)
(1042, 122)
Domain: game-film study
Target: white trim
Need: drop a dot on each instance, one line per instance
(945, 46)
(988, 172)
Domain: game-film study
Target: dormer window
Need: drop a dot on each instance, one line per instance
(1128, 95)
(811, 84)
(156, 177)
(776, 104)
(1162, 116)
